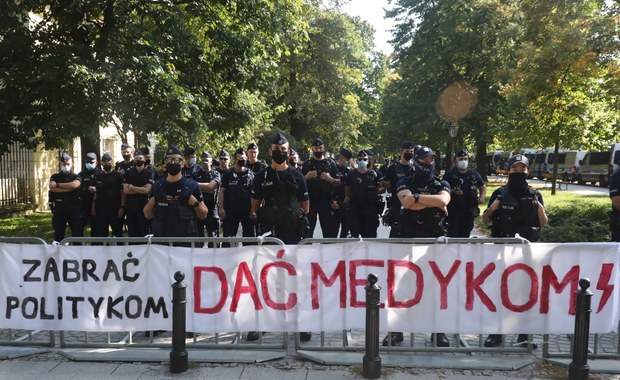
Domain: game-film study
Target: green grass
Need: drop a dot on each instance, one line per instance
(572, 217)
(38, 224)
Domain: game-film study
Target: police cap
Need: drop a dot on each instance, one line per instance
(518, 158)
(318, 142)
(189, 151)
(252, 146)
(145, 150)
(223, 154)
(139, 152)
(422, 153)
(125, 146)
(64, 157)
(91, 156)
(240, 151)
(407, 145)
(173, 150)
(106, 157)
(362, 153)
(279, 139)
(345, 153)
(461, 153)
(370, 152)
(205, 155)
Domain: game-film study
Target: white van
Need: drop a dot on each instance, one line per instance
(531, 156)
(568, 163)
(542, 163)
(598, 166)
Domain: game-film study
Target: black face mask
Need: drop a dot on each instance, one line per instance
(517, 183)
(139, 164)
(279, 156)
(407, 156)
(318, 154)
(126, 157)
(107, 168)
(147, 161)
(292, 163)
(173, 169)
(241, 162)
(423, 173)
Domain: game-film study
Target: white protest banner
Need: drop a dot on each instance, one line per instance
(452, 288)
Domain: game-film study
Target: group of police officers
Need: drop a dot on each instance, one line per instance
(285, 198)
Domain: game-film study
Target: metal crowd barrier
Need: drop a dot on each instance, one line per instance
(353, 340)
(21, 337)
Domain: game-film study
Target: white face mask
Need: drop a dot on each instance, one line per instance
(462, 164)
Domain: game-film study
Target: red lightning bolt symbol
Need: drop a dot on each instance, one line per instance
(604, 285)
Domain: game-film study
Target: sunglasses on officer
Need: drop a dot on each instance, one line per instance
(173, 160)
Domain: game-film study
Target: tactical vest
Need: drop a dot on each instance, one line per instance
(172, 218)
(239, 188)
(317, 188)
(280, 210)
(367, 194)
(428, 222)
(516, 216)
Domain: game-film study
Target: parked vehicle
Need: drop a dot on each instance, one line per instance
(568, 162)
(531, 156)
(598, 166)
(492, 161)
(502, 164)
(542, 162)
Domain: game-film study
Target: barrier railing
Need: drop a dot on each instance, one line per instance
(353, 341)
(230, 341)
(14, 337)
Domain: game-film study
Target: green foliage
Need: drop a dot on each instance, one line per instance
(38, 224)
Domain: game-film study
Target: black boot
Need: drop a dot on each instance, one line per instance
(397, 337)
(522, 341)
(442, 339)
(254, 335)
(493, 340)
(305, 336)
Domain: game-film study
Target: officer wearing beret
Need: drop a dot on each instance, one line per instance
(280, 202)
(123, 166)
(467, 192)
(88, 188)
(136, 187)
(515, 208)
(109, 201)
(343, 163)
(234, 198)
(321, 176)
(175, 201)
(254, 164)
(401, 169)
(361, 191)
(209, 183)
(64, 193)
(424, 200)
(614, 215)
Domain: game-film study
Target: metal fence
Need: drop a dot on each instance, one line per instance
(16, 176)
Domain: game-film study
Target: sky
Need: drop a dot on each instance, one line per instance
(372, 11)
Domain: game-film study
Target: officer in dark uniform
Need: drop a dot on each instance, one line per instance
(254, 164)
(293, 160)
(361, 191)
(395, 172)
(224, 162)
(371, 159)
(343, 165)
(321, 175)
(175, 202)
(234, 199)
(149, 164)
(515, 208)
(209, 183)
(614, 215)
(64, 194)
(137, 186)
(467, 192)
(127, 163)
(424, 200)
(87, 189)
(109, 202)
(282, 192)
(190, 168)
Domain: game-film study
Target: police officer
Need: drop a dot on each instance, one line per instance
(467, 192)
(123, 166)
(321, 175)
(424, 200)
(87, 188)
(371, 159)
(175, 202)
(343, 164)
(361, 191)
(109, 201)
(149, 164)
(224, 162)
(515, 208)
(190, 168)
(254, 164)
(282, 192)
(401, 169)
(209, 183)
(234, 199)
(614, 215)
(293, 160)
(64, 193)
(137, 186)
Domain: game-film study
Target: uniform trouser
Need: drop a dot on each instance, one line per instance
(231, 224)
(87, 217)
(64, 215)
(363, 221)
(459, 224)
(343, 221)
(323, 209)
(137, 224)
(290, 237)
(105, 220)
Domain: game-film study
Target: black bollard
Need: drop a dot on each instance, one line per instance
(579, 368)
(178, 355)
(372, 361)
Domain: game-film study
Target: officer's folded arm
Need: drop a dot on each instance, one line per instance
(148, 209)
(486, 215)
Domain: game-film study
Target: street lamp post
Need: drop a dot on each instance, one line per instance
(453, 132)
